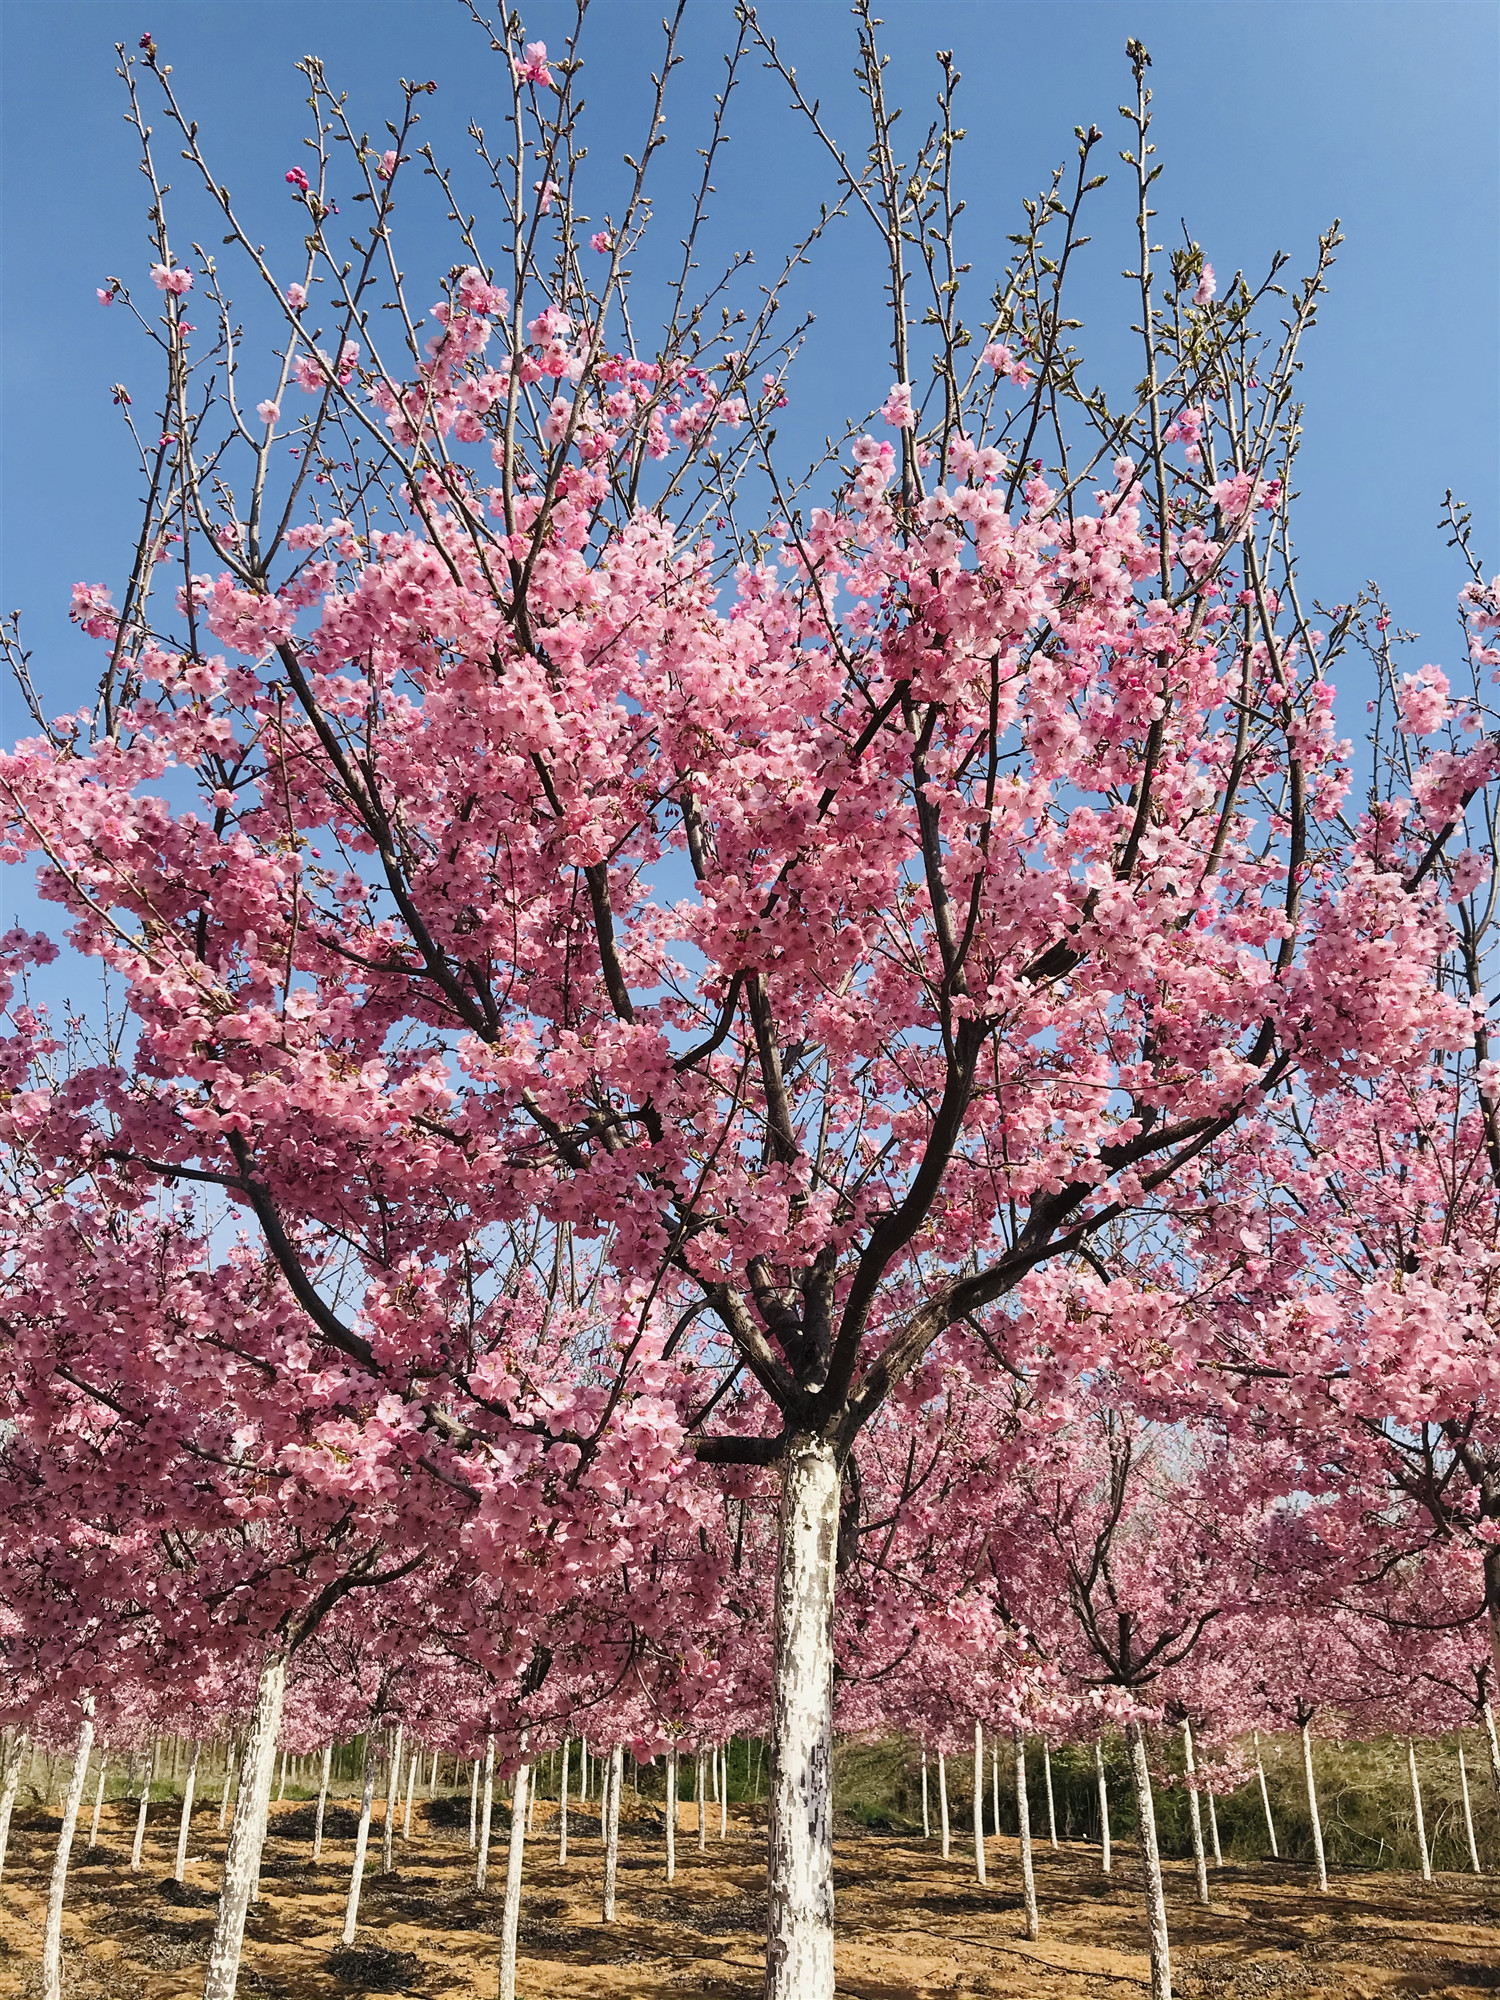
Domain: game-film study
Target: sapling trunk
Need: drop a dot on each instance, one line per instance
(98, 1803)
(184, 1825)
(926, 1819)
(702, 1802)
(140, 1817)
(1156, 1905)
(392, 1802)
(531, 1805)
(1051, 1802)
(281, 1785)
(1195, 1812)
(995, 1785)
(1213, 1826)
(510, 1919)
(486, 1812)
(583, 1775)
(1265, 1800)
(1463, 1781)
(474, 1808)
(562, 1807)
(1104, 1854)
(611, 1779)
(230, 1762)
(242, 1856)
(979, 1803)
(1494, 1745)
(432, 1777)
(1416, 1801)
(16, 1747)
(317, 1853)
(1312, 1804)
(724, 1791)
(361, 1840)
(73, 1798)
(943, 1801)
(411, 1779)
(671, 1815)
(799, 1929)
(1023, 1821)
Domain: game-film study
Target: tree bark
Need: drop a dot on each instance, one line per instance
(926, 1819)
(1051, 1802)
(703, 1801)
(1213, 1826)
(317, 1853)
(979, 1804)
(281, 1786)
(995, 1784)
(1156, 1905)
(562, 1807)
(242, 1856)
(98, 1802)
(511, 1915)
(230, 1763)
(393, 1769)
(1265, 1800)
(723, 1790)
(474, 1808)
(1312, 1804)
(671, 1814)
(799, 1931)
(613, 1768)
(361, 1840)
(1494, 1745)
(1104, 1854)
(52, 1931)
(411, 1779)
(943, 1800)
(1195, 1812)
(486, 1813)
(184, 1825)
(1023, 1824)
(10, 1783)
(140, 1818)
(1416, 1800)
(1463, 1779)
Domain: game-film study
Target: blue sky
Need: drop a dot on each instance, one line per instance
(1273, 116)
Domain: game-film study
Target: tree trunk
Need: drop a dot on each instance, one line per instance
(1104, 1854)
(1265, 1800)
(583, 1777)
(1494, 1745)
(703, 1801)
(1463, 1779)
(613, 1777)
(184, 1825)
(317, 1853)
(230, 1762)
(1416, 1800)
(799, 1931)
(1312, 1804)
(671, 1814)
(1156, 1905)
(1023, 1823)
(510, 1919)
(98, 1802)
(943, 1800)
(1195, 1812)
(995, 1784)
(474, 1808)
(10, 1783)
(140, 1818)
(723, 1791)
(361, 1839)
(242, 1856)
(411, 1779)
(926, 1820)
(486, 1813)
(281, 1785)
(1213, 1826)
(393, 1769)
(1051, 1802)
(52, 1932)
(979, 1804)
(562, 1807)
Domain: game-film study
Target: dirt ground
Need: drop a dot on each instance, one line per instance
(910, 1925)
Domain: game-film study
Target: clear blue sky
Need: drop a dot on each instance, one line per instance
(1273, 116)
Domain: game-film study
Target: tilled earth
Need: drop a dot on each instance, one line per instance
(910, 1925)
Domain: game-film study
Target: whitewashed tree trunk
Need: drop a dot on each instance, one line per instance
(242, 1856)
(671, 1814)
(16, 1747)
(1213, 1826)
(702, 1787)
(1494, 1745)
(323, 1777)
(1156, 1905)
(486, 1813)
(140, 1819)
(612, 1777)
(98, 1802)
(393, 1770)
(1416, 1801)
(1195, 1812)
(52, 1930)
(411, 1779)
(1265, 1800)
(943, 1801)
(995, 1784)
(1463, 1779)
(723, 1760)
(1104, 1853)
(562, 1807)
(583, 1777)
(474, 1808)
(926, 1818)
(281, 1785)
(184, 1825)
(1312, 1804)
(979, 1804)
(361, 1840)
(229, 1770)
(531, 1804)
(1051, 1802)
(1023, 1821)
(799, 1930)
(510, 1920)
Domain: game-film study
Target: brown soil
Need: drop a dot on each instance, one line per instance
(909, 1924)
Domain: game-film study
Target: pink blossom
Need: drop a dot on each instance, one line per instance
(533, 68)
(105, 295)
(268, 412)
(296, 297)
(388, 164)
(173, 279)
(297, 179)
(897, 410)
(1207, 286)
(600, 241)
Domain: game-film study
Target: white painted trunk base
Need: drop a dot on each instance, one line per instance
(242, 1857)
(1156, 1906)
(562, 1807)
(979, 1804)
(98, 1803)
(1023, 1821)
(52, 1929)
(184, 1825)
(1104, 1853)
(16, 1747)
(1312, 1805)
(1416, 1800)
(361, 1842)
(486, 1814)
(1463, 1779)
(511, 1915)
(317, 1853)
(1195, 1812)
(140, 1818)
(1265, 1800)
(611, 1780)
